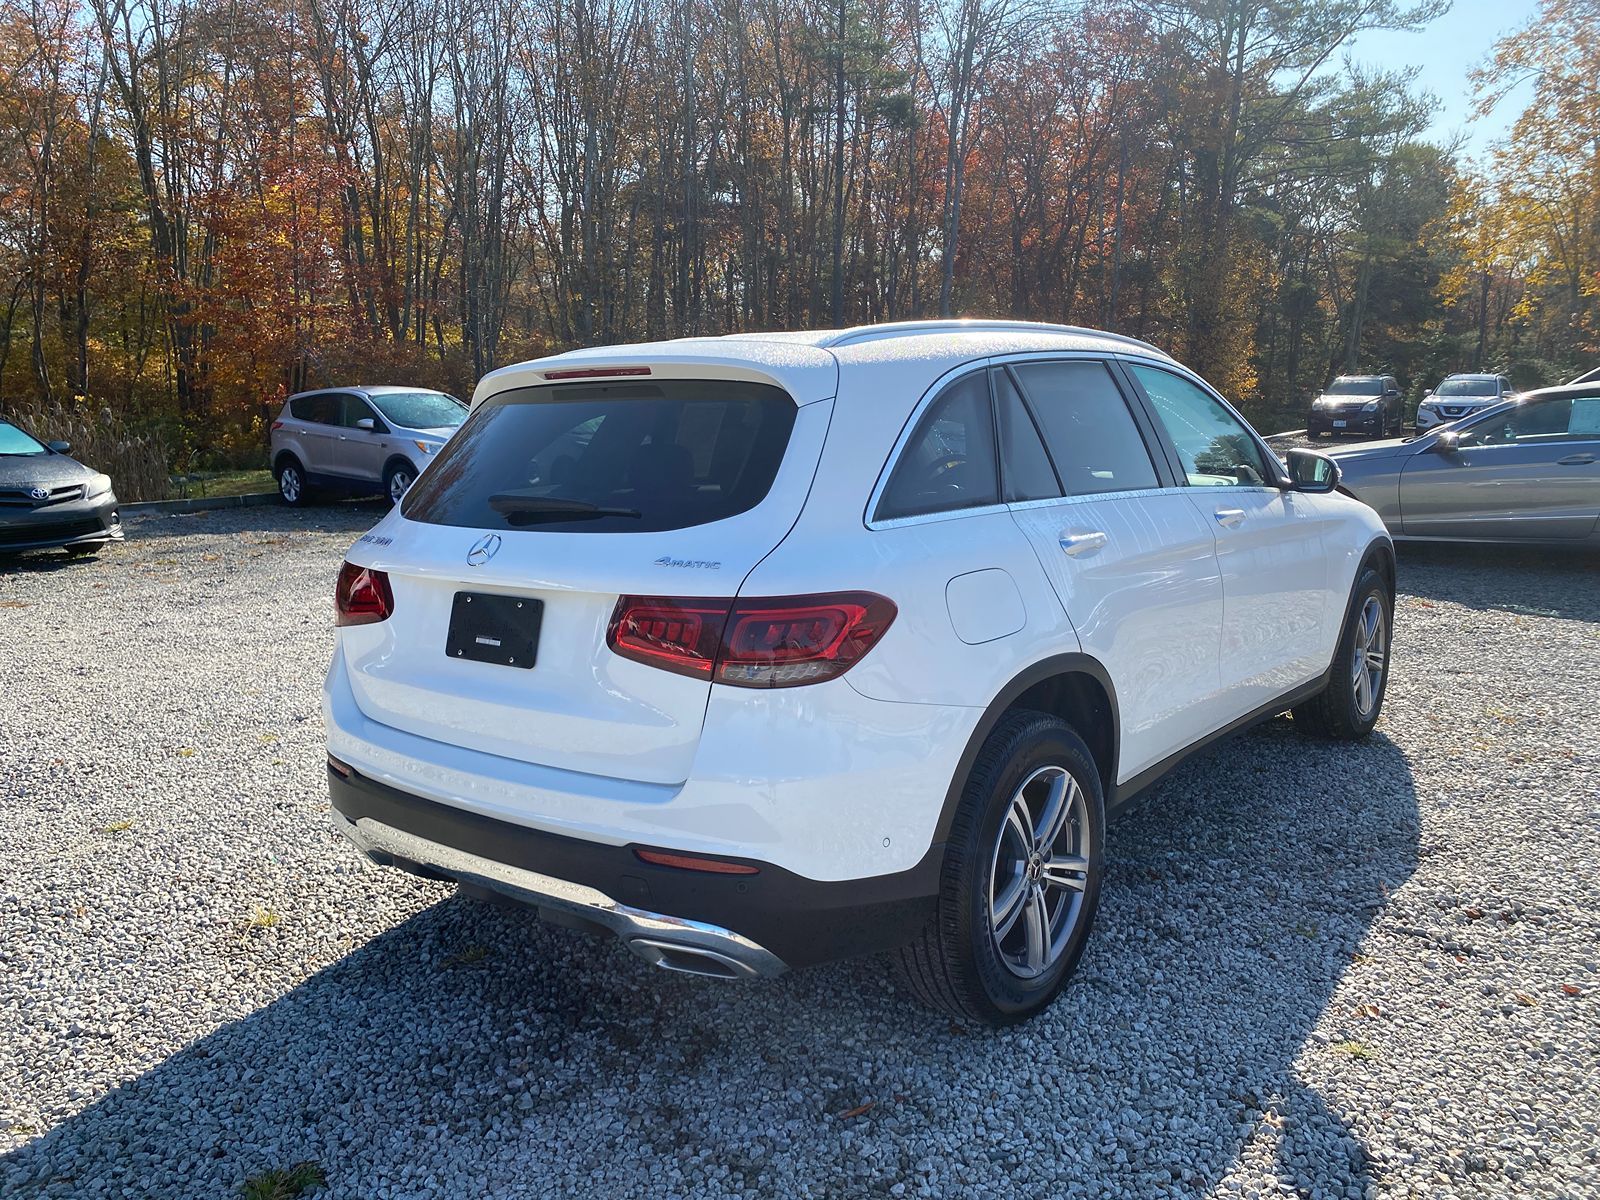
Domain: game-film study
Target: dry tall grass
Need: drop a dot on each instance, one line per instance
(136, 462)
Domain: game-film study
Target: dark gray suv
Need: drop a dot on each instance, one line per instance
(359, 440)
(1370, 405)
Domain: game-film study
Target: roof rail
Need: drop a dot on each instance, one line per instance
(890, 329)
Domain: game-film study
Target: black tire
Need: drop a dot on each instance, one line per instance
(956, 964)
(1337, 711)
(293, 489)
(398, 471)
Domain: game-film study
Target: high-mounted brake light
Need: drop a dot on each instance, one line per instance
(595, 372)
(761, 642)
(363, 596)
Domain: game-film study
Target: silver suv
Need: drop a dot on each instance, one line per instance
(359, 440)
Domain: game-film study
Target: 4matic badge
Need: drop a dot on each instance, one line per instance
(698, 564)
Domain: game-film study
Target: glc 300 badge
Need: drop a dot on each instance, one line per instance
(483, 550)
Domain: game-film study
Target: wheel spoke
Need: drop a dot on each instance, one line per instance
(1057, 804)
(1006, 908)
(1037, 927)
(1020, 822)
(1069, 873)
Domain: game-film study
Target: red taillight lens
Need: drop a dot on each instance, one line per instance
(780, 641)
(680, 635)
(362, 597)
(277, 424)
(790, 640)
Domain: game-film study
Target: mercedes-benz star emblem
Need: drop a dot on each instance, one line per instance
(40, 493)
(483, 550)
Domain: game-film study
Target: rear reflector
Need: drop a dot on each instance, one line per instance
(596, 372)
(778, 641)
(362, 597)
(688, 862)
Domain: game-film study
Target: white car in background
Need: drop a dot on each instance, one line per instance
(764, 650)
(1460, 396)
(360, 440)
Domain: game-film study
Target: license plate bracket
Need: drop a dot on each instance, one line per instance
(491, 628)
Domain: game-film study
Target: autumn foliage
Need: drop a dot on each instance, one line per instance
(208, 204)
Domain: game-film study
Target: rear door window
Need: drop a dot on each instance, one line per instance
(608, 458)
(1024, 465)
(322, 408)
(1090, 433)
(949, 461)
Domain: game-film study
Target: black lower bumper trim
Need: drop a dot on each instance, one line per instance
(802, 921)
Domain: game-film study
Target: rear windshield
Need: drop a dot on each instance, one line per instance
(1468, 387)
(1356, 386)
(608, 458)
(420, 410)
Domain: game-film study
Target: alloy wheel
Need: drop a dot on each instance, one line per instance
(1038, 872)
(399, 481)
(1371, 656)
(289, 485)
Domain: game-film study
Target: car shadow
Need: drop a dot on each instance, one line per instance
(473, 1038)
(1545, 581)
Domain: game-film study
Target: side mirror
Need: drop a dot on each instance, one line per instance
(366, 423)
(61, 447)
(1312, 472)
(1449, 443)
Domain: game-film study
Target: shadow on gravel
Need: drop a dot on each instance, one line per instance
(472, 1051)
(1544, 581)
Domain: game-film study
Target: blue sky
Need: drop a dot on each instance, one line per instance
(1445, 51)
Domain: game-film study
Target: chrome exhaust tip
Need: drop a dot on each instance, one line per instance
(691, 960)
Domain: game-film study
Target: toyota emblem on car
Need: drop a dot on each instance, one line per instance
(40, 493)
(483, 550)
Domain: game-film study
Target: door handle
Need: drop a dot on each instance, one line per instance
(1229, 516)
(1575, 460)
(1074, 544)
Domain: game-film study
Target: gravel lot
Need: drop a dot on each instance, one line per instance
(1320, 970)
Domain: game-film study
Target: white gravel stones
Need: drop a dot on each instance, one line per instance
(1321, 970)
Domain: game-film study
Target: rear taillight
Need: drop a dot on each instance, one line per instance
(680, 635)
(277, 424)
(778, 641)
(362, 597)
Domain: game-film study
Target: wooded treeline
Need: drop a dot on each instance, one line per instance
(207, 204)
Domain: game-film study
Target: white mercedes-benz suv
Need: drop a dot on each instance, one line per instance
(763, 650)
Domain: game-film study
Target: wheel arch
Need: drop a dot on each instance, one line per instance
(287, 455)
(400, 460)
(1074, 687)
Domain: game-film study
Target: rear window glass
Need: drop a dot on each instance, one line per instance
(608, 458)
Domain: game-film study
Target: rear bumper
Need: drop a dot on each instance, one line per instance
(76, 523)
(735, 926)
